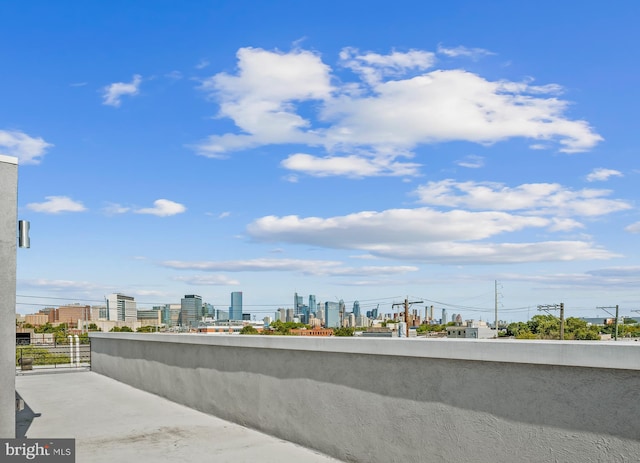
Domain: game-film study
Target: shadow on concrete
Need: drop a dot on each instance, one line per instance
(24, 417)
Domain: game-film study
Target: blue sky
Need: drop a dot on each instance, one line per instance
(352, 150)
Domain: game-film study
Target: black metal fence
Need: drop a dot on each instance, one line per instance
(41, 356)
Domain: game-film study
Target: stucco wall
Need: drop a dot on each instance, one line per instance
(388, 400)
(8, 244)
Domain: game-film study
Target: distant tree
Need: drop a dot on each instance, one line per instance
(93, 327)
(574, 324)
(514, 329)
(46, 328)
(284, 328)
(124, 329)
(60, 337)
(146, 329)
(545, 326)
(586, 334)
(343, 331)
(248, 329)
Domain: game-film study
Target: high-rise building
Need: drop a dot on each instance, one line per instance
(313, 306)
(298, 306)
(208, 310)
(235, 310)
(331, 314)
(444, 317)
(190, 310)
(356, 309)
(121, 308)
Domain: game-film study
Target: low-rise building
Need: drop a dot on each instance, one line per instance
(471, 330)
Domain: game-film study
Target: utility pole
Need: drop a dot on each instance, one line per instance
(560, 306)
(496, 306)
(406, 305)
(616, 319)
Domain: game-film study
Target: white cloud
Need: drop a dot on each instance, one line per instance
(496, 253)
(203, 63)
(601, 175)
(615, 276)
(633, 228)
(259, 99)
(147, 293)
(473, 53)
(424, 234)
(369, 229)
(113, 93)
(162, 208)
(471, 162)
(61, 285)
(608, 278)
(291, 178)
(56, 205)
(373, 67)
(305, 267)
(450, 105)
(115, 208)
(28, 150)
(536, 198)
(208, 280)
(350, 166)
(250, 265)
(394, 107)
(174, 75)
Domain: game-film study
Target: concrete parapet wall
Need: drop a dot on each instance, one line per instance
(399, 400)
(8, 248)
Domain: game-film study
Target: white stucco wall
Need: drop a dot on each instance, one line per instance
(8, 245)
(387, 400)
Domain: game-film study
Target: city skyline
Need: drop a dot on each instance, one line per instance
(350, 153)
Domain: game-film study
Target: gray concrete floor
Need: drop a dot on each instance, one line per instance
(112, 421)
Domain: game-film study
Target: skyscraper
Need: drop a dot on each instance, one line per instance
(313, 307)
(356, 309)
(444, 317)
(331, 314)
(235, 310)
(190, 310)
(298, 304)
(121, 308)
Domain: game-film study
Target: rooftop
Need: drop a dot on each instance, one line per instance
(112, 421)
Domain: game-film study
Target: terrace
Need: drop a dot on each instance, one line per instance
(112, 421)
(361, 400)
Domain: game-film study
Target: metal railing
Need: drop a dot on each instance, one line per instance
(42, 356)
